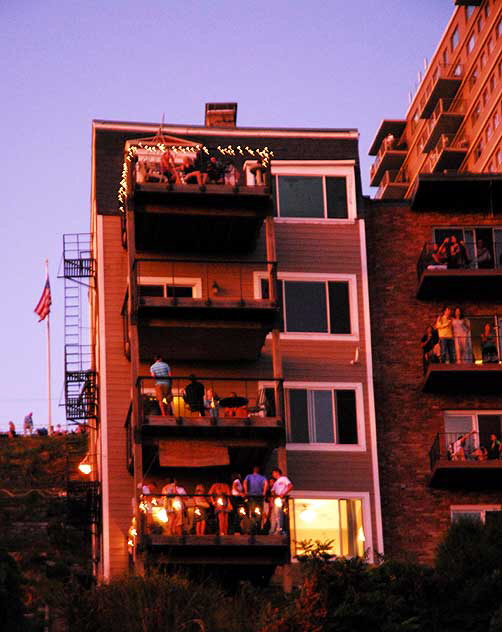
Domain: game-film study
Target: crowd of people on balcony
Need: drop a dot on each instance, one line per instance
(452, 253)
(201, 170)
(462, 449)
(449, 340)
(255, 505)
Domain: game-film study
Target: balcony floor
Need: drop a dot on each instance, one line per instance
(467, 474)
(468, 378)
(460, 282)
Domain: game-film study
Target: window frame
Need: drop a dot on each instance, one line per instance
(194, 282)
(364, 497)
(321, 169)
(483, 508)
(317, 277)
(357, 387)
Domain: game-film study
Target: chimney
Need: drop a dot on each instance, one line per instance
(221, 114)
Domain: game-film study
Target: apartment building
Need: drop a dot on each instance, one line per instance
(435, 241)
(453, 124)
(238, 255)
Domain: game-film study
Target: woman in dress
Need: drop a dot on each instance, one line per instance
(220, 499)
(201, 508)
(462, 336)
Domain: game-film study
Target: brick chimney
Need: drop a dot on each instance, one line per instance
(221, 114)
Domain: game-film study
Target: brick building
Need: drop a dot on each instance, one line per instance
(435, 240)
(254, 280)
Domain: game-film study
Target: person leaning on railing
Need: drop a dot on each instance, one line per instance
(281, 489)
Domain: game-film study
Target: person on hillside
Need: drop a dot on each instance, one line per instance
(11, 433)
(28, 425)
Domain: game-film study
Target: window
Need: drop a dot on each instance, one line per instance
(313, 306)
(489, 132)
(337, 519)
(469, 11)
(482, 60)
(473, 512)
(490, 46)
(312, 196)
(499, 28)
(454, 39)
(169, 288)
(481, 424)
(476, 112)
(322, 416)
(478, 150)
(492, 83)
(480, 24)
(474, 76)
(485, 97)
(457, 71)
(487, 9)
(471, 42)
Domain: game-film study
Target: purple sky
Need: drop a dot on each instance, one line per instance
(287, 64)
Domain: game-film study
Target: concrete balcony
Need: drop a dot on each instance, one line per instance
(393, 186)
(445, 119)
(446, 81)
(390, 157)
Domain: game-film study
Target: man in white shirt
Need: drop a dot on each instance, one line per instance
(280, 490)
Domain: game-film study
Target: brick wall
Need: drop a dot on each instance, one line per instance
(414, 515)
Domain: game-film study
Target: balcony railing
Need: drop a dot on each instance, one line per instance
(447, 154)
(469, 351)
(445, 81)
(206, 518)
(391, 154)
(203, 401)
(393, 185)
(197, 283)
(458, 256)
(445, 119)
(184, 169)
(464, 447)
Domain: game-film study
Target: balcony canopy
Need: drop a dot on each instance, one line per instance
(458, 192)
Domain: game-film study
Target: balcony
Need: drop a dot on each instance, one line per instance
(446, 81)
(183, 201)
(390, 156)
(184, 528)
(443, 275)
(457, 463)
(447, 155)
(468, 3)
(393, 186)
(469, 363)
(445, 119)
(247, 412)
(387, 126)
(458, 192)
(203, 309)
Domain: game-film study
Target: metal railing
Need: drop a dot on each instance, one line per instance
(458, 255)
(391, 176)
(218, 400)
(201, 282)
(212, 514)
(390, 143)
(464, 446)
(190, 169)
(473, 349)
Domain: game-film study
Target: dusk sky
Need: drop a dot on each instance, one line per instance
(328, 64)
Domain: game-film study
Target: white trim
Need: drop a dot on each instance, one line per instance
(360, 446)
(195, 282)
(314, 220)
(319, 277)
(482, 509)
(224, 131)
(103, 404)
(369, 386)
(320, 168)
(356, 495)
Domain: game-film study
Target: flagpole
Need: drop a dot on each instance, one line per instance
(49, 411)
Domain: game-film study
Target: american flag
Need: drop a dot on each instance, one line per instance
(43, 308)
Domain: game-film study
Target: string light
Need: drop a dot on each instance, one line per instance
(264, 154)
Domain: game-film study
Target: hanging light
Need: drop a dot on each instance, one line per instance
(85, 466)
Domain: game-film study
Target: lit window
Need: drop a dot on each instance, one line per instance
(322, 416)
(322, 519)
(471, 42)
(454, 39)
(313, 306)
(312, 196)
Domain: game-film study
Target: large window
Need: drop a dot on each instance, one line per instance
(322, 415)
(312, 196)
(337, 519)
(314, 306)
(474, 512)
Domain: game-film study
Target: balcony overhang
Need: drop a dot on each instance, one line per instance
(220, 332)
(468, 3)
(387, 126)
(467, 474)
(460, 283)
(269, 550)
(463, 378)
(458, 192)
(444, 88)
(391, 159)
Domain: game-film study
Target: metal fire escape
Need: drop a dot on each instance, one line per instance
(79, 269)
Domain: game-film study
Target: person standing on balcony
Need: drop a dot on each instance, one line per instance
(444, 328)
(220, 499)
(282, 487)
(462, 336)
(493, 450)
(162, 371)
(194, 396)
(255, 488)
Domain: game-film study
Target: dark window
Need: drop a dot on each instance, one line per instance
(180, 291)
(305, 306)
(298, 416)
(301, 196)
(151, 290)
(346, 419)
(322, 416)
(336, 197)
(339, 309)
